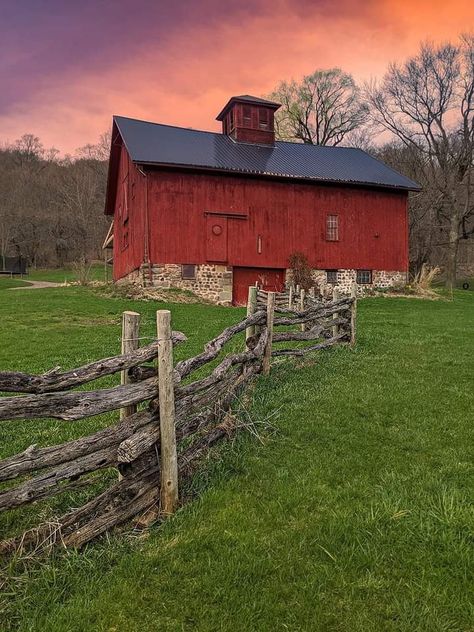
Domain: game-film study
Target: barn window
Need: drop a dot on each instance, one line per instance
(247, 115)
(331, 276)
(364, 277)
(231, 120)
(188, 271)
(263, 119)
(332, 227)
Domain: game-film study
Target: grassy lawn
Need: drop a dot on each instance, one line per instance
(355, 515)
(56, 275)
(7, 282)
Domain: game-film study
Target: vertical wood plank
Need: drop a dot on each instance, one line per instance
(270, 316)
(290, 297)
(301, 307)
(251, 309)
(335, 316)
(130, 342)
(169, 459)
(353, 314)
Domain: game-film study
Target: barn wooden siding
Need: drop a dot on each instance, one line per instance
(254, 222)
(287, 217)
(130, 218)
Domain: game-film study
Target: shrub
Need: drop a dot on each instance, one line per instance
(423, 280)
(82, 268)
(300, 270)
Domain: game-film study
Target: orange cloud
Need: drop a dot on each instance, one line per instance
(183, 76)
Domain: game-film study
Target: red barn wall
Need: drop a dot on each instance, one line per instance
(129, 218)
(287, 217)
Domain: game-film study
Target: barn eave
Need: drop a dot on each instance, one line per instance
(283, 177)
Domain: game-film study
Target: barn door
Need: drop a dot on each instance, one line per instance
(268, 279)
(216, 238)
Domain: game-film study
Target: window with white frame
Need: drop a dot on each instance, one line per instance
(332, 227)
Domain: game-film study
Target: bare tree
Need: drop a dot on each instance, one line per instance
(51, 210)
(80, 194)
(423, 225)
(320, 110)
(428, 104)
(100, 151)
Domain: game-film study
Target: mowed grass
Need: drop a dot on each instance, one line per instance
(97, 272)
(355, 515)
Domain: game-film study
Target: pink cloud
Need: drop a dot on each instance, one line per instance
(182, 76)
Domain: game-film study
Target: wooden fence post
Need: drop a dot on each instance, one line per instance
(251, 309)
(130, 342)
(335, 316)
(353, 314)
(268, 349)
(169, 459)
(301, 308)
(290, 297)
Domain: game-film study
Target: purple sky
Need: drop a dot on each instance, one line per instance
(67, 66)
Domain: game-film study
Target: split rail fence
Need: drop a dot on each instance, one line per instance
(156, 446)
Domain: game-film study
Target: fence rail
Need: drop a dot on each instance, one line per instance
(154, 447)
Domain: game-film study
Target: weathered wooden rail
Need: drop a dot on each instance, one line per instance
(154, 447)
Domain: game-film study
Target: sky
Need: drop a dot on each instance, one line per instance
(66, 66)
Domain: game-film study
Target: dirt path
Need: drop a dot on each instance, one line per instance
(36, 285)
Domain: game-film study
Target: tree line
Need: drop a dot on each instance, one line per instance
(422, 113)
(51, 208)
(419, 119)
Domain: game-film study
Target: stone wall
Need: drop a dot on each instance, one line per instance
(346, 278)
(212, 282)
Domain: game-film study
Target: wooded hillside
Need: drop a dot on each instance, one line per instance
(51, 208)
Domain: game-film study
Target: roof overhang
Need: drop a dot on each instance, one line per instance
(112, 175)
(246, 101)
(276, 176)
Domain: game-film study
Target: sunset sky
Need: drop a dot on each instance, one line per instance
(66, 66)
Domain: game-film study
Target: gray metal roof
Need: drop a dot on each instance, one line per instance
(164, 145)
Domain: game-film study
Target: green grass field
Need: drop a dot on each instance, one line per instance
(56, 275)
(354, 515)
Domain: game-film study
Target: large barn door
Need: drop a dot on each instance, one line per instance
(268, 279)
(216, 238)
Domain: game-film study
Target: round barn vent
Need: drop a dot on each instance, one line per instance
(217, 229)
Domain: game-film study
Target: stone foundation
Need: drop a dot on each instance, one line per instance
(346, 278)
(212, 282)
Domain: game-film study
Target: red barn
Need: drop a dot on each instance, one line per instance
(214, 213)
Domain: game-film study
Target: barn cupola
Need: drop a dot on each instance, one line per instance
(249, 119)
